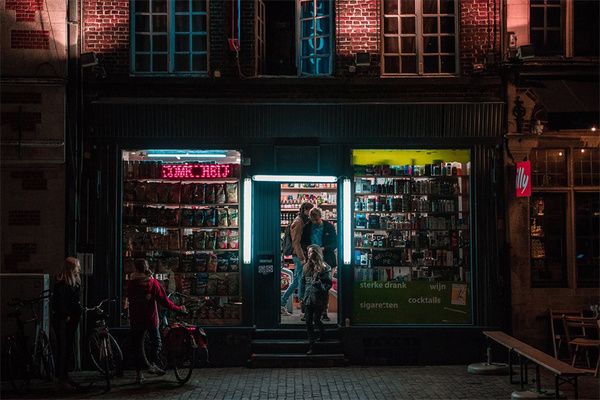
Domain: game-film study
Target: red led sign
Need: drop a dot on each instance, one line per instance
(197, 171)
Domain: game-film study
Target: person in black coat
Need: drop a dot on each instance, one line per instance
(317, 279)
(66, 313)
(321, 233)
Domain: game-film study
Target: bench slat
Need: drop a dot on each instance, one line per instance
(539, 357)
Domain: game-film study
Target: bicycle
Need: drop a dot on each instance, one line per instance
(104, 350)
(22, 362)
(180, 344)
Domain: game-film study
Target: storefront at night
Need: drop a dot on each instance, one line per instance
(410, 189)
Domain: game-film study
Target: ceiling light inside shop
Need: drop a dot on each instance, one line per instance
(295, 178)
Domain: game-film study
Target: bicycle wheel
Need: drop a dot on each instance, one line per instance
(148, 350)
(181, 354)
(19, 368)
(95, 350)
(46, 357)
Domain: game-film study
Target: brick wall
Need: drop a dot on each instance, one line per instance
(477, 20)
(25, 9)
(357, 30)
(29, 39)
(106, 32)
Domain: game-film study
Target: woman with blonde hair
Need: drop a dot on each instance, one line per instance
(317, 278)
(66, 308)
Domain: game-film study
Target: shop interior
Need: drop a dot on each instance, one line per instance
(323, 196)
(181, 212)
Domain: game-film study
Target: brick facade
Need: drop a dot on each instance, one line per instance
(25, 9)
(106, 32)
(29, 39)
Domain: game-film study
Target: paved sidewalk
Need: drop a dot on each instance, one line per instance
(437, 382)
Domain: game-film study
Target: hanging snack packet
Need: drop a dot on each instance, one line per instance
(221, 197)
(187, 217)
(174, 240)
(210, 218)
(232, 214)
(152, 192)
(222, 239)
(161, 190)
(234, 262)
(211, 265)
(221, 286)
(199, 217)
(211, 287)
(222, 217)
(211, 242)
(210, 194)
(187, 193)
(233, 285)
(174, 193)
(201, 261)
(222, 262)
(233, 239)
(232, 192)
(199, 193)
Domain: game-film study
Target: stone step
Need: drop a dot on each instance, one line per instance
(281, 334)
(276, 346)
(293, 360)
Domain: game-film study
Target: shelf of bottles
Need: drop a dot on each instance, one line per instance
(188, 231)
(411, 222)
(322, 195)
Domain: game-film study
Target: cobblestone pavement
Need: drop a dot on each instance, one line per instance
(437, 382)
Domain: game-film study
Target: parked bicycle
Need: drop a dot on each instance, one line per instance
(104, 350)
(181, 343)
(26, 360)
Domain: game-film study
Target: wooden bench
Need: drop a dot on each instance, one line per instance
(563, 372)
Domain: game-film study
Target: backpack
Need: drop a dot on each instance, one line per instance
(286, 245)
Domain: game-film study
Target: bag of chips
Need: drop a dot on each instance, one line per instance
(222, 237)
(140, 192)
(233, 285)
(211, 287)
(174, 240)
(220, 196)
(210, 217)
(211, 265)
(221, 286)
(201, 261)
(200, 193)
(174, 193)
(222, 262)
(234, 262)
(233, 216)
(152, 192)
(211, 194)
(211, 240)
(199, 240)
(233, 239)
(187, 193)
(222, 217)
(199, 217)
(201, 282)
(187, 217)
(232, 192)
(161, 191)
(187, 263)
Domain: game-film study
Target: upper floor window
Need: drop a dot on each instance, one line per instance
(545, 26)
(419, 37)
(169, 37)
(294, 37)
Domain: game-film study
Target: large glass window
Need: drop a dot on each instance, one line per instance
(419, 37)
(182, 216)
(412, 259)
(586, 167)
(549, 167)
(548, 240)
(587, 235)
(545, 26)
(315, 37)
(169, 37)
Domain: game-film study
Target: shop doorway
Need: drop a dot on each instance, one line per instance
(276, 202)
(324, 197)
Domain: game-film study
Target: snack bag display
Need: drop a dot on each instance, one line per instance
(129, 191)
(174, 194)
(233, 216)
(162, 191)
(201, 261)
(152, 192)
(211, 265)
(187, 193)
(222, 217)
(210, 196)
(199, 193)
(187, 217)
(140, 191)
(221, 196)
(234, 262)
(233, 239)
(222, 239)
(233, 285)
(199, 217)
(210, 217)
(222, 262)
(232, 192)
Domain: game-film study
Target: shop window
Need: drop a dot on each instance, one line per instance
(182, 215)
(548, 239)
(587, 228)
(419, 37)
(294, 37)
(549, 167)
(586, 167)
(546, 21)
(411, 237)
(169, 37)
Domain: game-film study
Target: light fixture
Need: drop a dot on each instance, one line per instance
(185, 155)
(560, 153)
(347, 221)
(593, 128)
(295, 178)
(247, 231)
(583, 150)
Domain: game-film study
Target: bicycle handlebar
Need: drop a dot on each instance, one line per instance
(99, 306)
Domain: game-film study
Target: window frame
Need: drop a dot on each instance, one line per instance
(570, 189)
(419, 46)
(561, 30)
(171, 52)
(300, 38)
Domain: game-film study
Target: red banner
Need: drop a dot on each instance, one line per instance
(523, 179)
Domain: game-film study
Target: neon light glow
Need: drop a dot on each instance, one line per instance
(347, 221)
(295, 178)
(197, 171)
(186, 155)
(247, 227)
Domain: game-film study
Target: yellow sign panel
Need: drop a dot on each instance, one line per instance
(408, 157)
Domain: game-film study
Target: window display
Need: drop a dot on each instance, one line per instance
(411, 236)
(182, 216)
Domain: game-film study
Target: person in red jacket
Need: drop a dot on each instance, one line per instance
(143, 292)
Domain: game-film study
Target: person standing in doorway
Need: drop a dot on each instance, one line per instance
(317, 277)
(298, 256)
(66, 309)
(321, 233)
